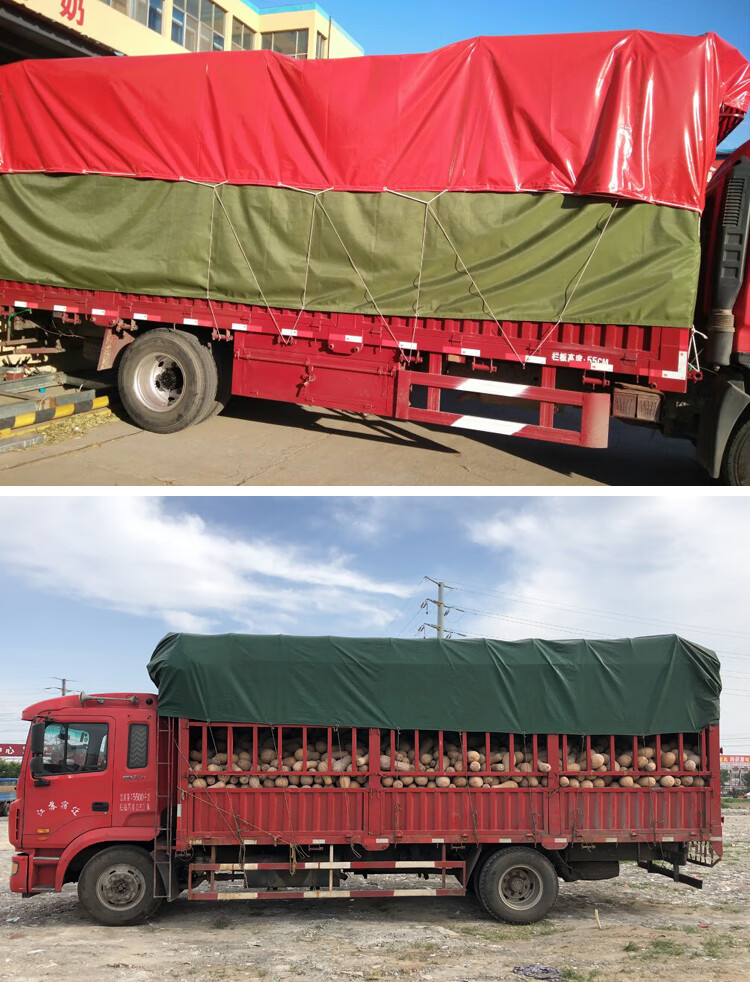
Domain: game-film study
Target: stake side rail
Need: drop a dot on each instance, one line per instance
(653, 355)
(369, 803)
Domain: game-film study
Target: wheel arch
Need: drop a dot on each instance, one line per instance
(726, 409)
(80, 851)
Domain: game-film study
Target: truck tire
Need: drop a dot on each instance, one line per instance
(116, 886)
(224, 362)
(518, 885)
(736, 467)
(167, 380)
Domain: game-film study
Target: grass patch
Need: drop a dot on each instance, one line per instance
(574, 975)
(507, 932)
(664, 946)
(418, 946)
(723, 945)
(631, 946)
(220, 923)
(735, 803)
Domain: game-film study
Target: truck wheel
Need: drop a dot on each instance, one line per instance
(224, 363)
(736, 468)
(518, 885)
(167, 380)
(116, 886)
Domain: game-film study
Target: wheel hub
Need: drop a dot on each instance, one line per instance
(121, 886)
(520, 887)
(159, 381)
(167, 380)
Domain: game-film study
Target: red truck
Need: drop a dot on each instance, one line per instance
(468, 780)
(440, 238)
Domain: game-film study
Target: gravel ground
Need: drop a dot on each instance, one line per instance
(651, 929)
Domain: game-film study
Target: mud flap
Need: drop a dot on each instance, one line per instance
(724, 407)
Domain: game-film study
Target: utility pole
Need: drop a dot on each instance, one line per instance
(63, 686)
(442, 610)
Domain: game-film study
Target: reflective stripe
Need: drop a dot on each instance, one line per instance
(492, 388)
(681, 372)
(488, 425)
(140, 317)
(190, 320)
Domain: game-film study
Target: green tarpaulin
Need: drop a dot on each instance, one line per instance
(474, 255)
(635, 686)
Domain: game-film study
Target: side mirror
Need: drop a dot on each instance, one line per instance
(36, 766)
(36, 738)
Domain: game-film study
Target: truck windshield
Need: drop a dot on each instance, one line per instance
(74, 748)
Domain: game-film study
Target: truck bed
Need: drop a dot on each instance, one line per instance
(378, 817)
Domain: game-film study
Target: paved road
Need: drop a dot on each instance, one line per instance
(259, 443)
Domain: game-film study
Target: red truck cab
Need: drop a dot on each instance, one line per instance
(88, 779)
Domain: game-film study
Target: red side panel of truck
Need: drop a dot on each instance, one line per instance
(379, 365)
(378, 817)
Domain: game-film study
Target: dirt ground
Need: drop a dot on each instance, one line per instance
(651, 929)
(263, 444)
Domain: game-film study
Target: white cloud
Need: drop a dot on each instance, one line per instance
(133, 555)
(657, 565)
(183, 620)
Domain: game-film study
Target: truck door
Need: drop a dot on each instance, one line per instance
(73, 794)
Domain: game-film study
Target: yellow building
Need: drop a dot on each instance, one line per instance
(140, 27)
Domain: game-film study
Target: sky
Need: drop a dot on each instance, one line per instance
(102, 579)
(399, 27)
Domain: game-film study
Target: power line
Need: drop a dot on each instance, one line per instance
(538, 602)
(405, 605)
(405, 628)
(524, 620)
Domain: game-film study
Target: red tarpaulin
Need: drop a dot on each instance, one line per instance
(629, 113)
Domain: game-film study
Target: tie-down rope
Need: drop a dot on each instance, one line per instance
(317, 202)
(428, 210)
(577, 282)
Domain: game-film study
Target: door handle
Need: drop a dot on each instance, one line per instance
(100, 806)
